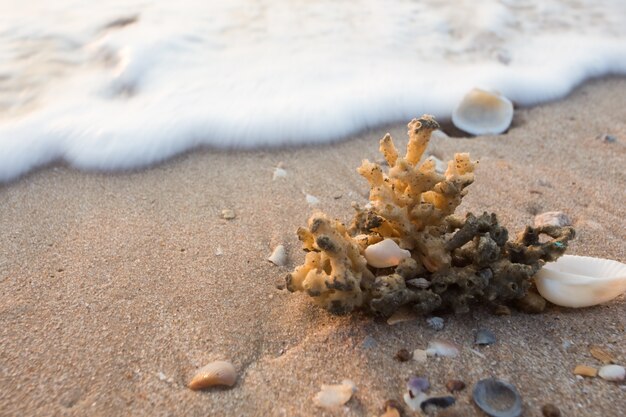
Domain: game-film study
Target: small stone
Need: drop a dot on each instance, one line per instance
(368, 342)
(436, 323)
(553, 218)
(420, 355)
(219, 251)
(312, 200)
(455, 385)
(437, 402)
(161, 376)
(612, 373)
(279, 173)
(228, 214)
(584, 370)
(484, 337)
(607, 138)
(332, 396)
(502, 310)
(403, 355)
(601, 355)
(418, 282)
(337, 195)
(551, 410)
(391, 411)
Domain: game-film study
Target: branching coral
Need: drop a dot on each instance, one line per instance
(456, 261)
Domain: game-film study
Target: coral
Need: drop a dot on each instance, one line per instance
(455, 260)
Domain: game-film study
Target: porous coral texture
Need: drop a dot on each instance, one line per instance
(463, 259)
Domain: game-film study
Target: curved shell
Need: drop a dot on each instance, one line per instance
(385, 254)
(278, 256)
(483, 113)
(331, 396)
(581, 281)
(215, 373)
(497, 398)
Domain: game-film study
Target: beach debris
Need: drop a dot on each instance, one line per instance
(402, 315)
(601, 355)
(418, 283)
(484, 337)
(215, 373)
(442, 348)
(455, 385)
(437, 402)
(420, 355)
(584, 370)
(417, 384)
(337, 195)
(483, 112)
(554, 218)
(311, 200)
(403, 355)
(612, 373)
(385, 253)
(414, 401)
(279, 172)
(411, 215)
(278, 256)
(228, 214)
(550, 410)
(531, 303)
(606, 138)
(477, 353)
(331, 396)
(581, 281)
(436, 323)
(497, 398)
(219, 251)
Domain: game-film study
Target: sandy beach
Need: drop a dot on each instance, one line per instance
(115, 288)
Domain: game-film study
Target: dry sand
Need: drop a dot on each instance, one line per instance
(112, 291)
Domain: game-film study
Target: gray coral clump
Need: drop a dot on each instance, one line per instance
(451, 261)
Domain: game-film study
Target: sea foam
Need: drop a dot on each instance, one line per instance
(125, 84)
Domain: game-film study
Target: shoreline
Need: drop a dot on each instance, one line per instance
(113, 291)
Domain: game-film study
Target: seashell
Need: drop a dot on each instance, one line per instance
(414, 401)
(435, 323)
(331, 396)
(482, 112)
(385, 254)
(439, 402)
(442, 348)
(215, 373)
(553, 218)
(419, 282)
(581, 281)
(484, 337)
(401, 315)
(417, 384)
(612, 373)
(420, 355)
(584, 370)
(279, 173)
(601, 355)
(497, 398)
(278, 256)
(312, 200)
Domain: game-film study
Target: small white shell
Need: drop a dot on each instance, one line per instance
(279, 256)
(415, 402)
(442, 348)
(482, 113)
(554, 218)
(612, 373)
(215, 373)
(331, 396)
(385, 253)
(312, 200)
(581, 281)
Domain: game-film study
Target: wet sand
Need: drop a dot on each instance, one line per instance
(114, 288)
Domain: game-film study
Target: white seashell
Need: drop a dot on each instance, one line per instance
(554, 218)
(331, 396)
(581, 281)
(385, 254)
(415, 401)
(482, 113)
(419, 282)
(215, 373)
(442, 348)
(279, 256)
(612, 373)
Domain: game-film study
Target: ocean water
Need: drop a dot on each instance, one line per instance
(123, 84)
